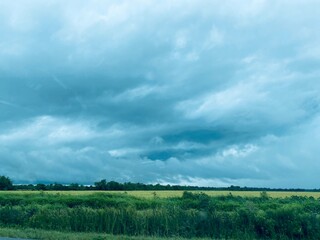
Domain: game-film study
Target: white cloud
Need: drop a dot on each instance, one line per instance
(215, 38)
(123, 152)
(138, 93)
(237, 152)
(48, 130)
(219, 104)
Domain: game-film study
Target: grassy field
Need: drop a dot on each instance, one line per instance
(145, 215)
(168, 194)
(29, 233)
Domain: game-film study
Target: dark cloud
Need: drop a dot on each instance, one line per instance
(196, 92)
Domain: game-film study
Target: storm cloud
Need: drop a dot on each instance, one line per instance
(202, 92)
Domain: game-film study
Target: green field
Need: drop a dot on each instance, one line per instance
(159, 214)
(29, 233)
(169, 194)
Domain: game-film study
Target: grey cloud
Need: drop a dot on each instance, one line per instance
(189, 92)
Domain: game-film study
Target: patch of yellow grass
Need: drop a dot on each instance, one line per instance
(167, 194)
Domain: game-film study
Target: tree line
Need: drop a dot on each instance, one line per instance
(103, 185)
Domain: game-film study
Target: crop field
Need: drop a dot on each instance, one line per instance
(169, 194)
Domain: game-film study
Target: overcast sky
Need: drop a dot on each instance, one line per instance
(196, 92)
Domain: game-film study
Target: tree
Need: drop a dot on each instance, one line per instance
(114, 186)
(5, 183)
(102, 185)
(41, 186)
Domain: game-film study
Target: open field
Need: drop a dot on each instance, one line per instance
(169, 194)
(102, 215)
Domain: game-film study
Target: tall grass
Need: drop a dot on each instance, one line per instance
(192, 215)
(29, 233)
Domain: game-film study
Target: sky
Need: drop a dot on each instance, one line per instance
(191, 92)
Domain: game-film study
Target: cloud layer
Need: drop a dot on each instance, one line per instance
(184, 92)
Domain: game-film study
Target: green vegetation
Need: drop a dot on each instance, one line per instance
(111, 210)
(103, 185)
(5, 183)
(169, 194)
(192, 215)
(29, 233)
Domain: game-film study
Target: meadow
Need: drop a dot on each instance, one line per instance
(169, 194)
(161, 214)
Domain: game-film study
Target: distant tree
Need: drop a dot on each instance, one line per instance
(75, 186)
(102, 185)
(41, 186)
(57, 187)
(5, 183)
(114, 186)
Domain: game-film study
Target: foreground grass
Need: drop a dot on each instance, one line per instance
(189, 216)
(29, 233)
(170, 194)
